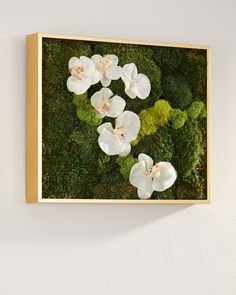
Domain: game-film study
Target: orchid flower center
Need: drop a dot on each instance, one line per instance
(119, 130)
(77, 72)
(105, 105)
(155, 171)
(105, 63)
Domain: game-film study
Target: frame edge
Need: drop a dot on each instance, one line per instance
(32, 76)
(33, 42)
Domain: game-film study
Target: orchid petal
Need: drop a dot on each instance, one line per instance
(110, 143)
(78, 86)
(96, 58)
(166, 178)
(74, 62)
(88, 65)
(139, 178)
(105, 82)
(113, 58)
(126, 150)
(106, 93)
(117, 106)
(144, 194)
(148, 161)
(113, 73)
(97, 100)
(95, 77)
(131, 90)
(129, 72)
(131, 124)
(143, 86)
(100, 115)
(106, 126)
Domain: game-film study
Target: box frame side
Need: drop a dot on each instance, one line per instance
(32, 78)
(34, 117)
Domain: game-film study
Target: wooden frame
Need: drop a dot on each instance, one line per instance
(34, 121)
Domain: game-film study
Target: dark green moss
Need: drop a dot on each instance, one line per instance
(159, 146)
(168, 59)
(194, 69)
(64, 174)
(126, 163)
(189, 148)
(176, 89)
(168, 194)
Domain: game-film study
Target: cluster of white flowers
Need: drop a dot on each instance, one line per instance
(85, 72)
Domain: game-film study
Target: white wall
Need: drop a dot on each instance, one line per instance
(118, 249)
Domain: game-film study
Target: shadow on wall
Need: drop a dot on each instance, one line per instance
(87, 222)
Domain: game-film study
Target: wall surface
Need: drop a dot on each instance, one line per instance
(118, 249)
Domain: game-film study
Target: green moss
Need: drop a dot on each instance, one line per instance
(168, 194)
(196, 110)
(168, 59)
(161, 111)
(115, 187)
(194, 69)
(203, 114)
(126, 163)
(148, 122)
(159, 146)
(176, 89)
(177, 118)
(189, 148)
(192, 188)
(84, 110)
(64, 171)
(153, 118)
(125, 52)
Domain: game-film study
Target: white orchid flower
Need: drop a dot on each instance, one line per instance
(83, 74)
(116, 141)
(136, 85)
(149, 177)
(106, 105)
(108, 68)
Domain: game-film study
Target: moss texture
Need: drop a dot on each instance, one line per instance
(173, 125)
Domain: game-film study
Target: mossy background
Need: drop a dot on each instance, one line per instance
(73, 164)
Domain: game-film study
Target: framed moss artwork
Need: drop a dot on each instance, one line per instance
(116, 121)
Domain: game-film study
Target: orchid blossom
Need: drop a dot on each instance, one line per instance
(116, 141)
(108, 68)
(106, 105)
(136, 85)
(83, 74)
(149, 177)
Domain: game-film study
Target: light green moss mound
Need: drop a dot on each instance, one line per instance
(196, 110)
(84, 110)
(178, 118)
(153, 118)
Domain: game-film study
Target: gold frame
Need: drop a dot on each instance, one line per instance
(34, 113)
